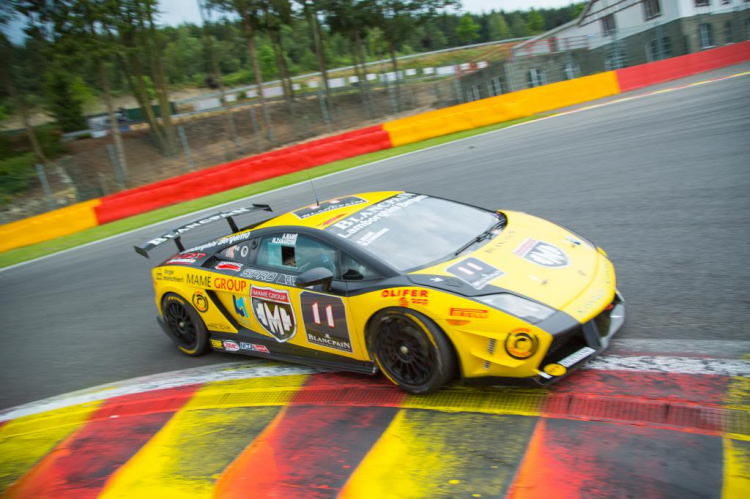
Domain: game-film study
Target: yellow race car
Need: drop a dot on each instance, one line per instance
(424, 289)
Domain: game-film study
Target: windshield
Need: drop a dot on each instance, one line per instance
(410, 231)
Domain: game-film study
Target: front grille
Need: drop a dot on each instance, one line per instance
(565, 344)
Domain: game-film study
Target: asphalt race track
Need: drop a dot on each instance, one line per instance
(660, 182)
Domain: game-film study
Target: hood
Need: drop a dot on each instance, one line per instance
(530, 257)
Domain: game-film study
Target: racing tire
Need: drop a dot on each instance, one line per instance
(185, 325)
(411, 350)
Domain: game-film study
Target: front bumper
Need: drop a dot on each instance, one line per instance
(573, 346)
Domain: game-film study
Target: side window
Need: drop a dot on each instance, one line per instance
(296, 253)
(352, 270)
(240, 251)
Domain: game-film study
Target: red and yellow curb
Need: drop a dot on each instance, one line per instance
(342, 435)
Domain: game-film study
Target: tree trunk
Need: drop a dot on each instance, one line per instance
(18, 101)
(114, 125)
(280, 65)
(394, 63)
(317, 36)
(229, 117)
(250, 36)
(138, 88)
(359, 51)
(10, 86)
(160, 84)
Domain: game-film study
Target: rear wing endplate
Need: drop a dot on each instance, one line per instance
(176, 234)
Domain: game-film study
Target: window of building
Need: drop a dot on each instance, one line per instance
(495, 86)
(535, 77)
(651, 9)
(656, 51)
(472, 93)
(570, 70)
(706, 32)
(608, 24)
(728, 33)
(702, 3)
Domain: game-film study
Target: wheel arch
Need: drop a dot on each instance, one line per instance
(370, 331)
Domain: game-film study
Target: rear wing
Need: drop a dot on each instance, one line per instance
(176, 234)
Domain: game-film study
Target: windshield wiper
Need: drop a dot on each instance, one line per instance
(481, 237)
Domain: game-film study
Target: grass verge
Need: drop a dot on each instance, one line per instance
(19, 255)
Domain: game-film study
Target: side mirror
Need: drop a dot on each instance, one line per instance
(314, 277)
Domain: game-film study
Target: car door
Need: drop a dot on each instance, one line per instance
(308, 318)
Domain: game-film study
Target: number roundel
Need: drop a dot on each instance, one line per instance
(325, 321)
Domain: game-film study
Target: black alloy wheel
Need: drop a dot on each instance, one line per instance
(185, 325)
(405, 352)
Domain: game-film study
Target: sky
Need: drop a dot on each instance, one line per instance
(177, 11)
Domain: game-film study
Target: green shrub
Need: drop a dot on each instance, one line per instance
(16, 173)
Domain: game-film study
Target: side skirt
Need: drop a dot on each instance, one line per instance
(289, 353)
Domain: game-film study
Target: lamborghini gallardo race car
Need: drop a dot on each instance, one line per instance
(424, 289)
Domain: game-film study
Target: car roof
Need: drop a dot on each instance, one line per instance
(327, 212)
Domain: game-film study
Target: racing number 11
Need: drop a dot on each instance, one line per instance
(329, 315)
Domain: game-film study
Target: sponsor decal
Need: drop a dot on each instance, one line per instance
(240, 307)
(231, 346)
(200, 302)
(405, 292)
(168, 275)
(235, 267)
(542, 253)
(217, 326)
(217, 344)
(371, 236)
(576, 357)
(203, 281)
(331, 220)
(178, 232)
(555, 369)
(253, 347)
(273, 310)
(285, 240)
(473, 313)
(186, 258)
(499, 242)
(403, 302)
(474, 272)
(266, 276)
(287, 280)
(607, 273)
(325, 321)
(593, 300)
(259, 275)
(326, 206)
(362, 219)
(221, 242)
(521, 344)
(227, 284)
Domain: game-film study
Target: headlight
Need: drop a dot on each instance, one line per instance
(520, 307)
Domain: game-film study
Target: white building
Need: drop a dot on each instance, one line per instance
(604, 20)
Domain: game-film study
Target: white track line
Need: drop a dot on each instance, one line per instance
(174, 379)
(248, 370)
(557, 115)
(729, 349)
(678, 365)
